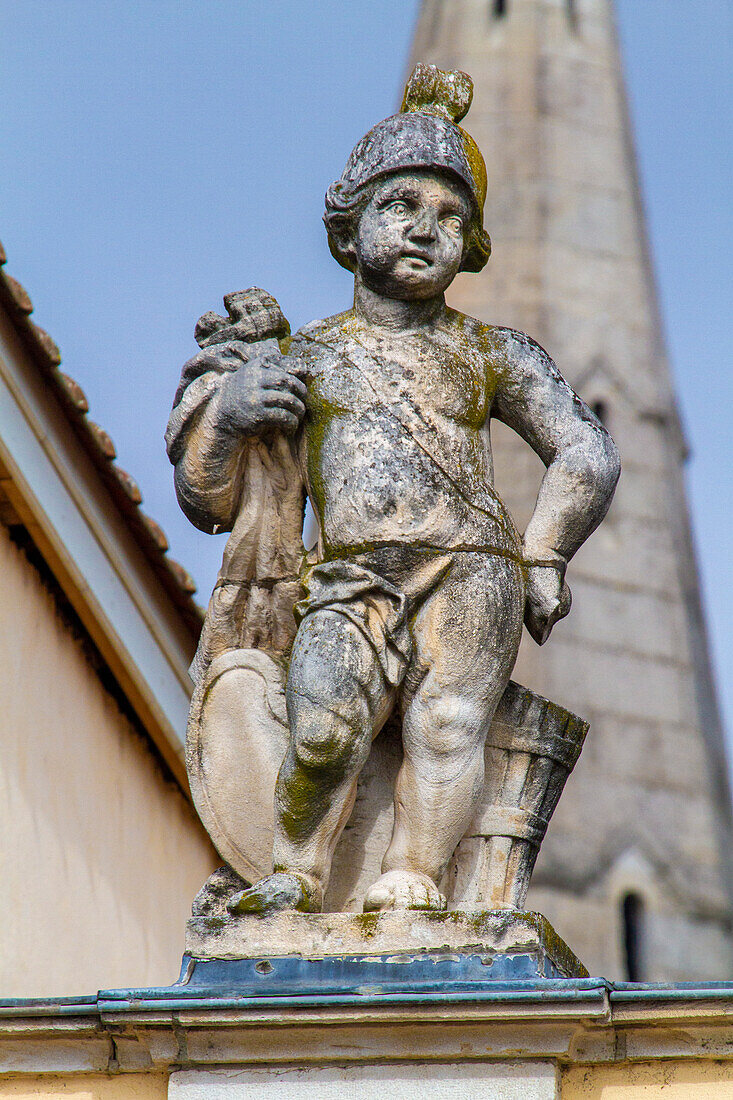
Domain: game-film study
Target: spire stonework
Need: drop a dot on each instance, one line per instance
(635, 871)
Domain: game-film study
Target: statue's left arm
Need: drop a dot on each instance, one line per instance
(582, 464)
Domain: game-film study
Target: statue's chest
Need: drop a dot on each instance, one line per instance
(364, 378)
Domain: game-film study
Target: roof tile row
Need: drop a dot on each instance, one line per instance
(99, 446)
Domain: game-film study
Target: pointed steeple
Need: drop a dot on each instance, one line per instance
(635, 872)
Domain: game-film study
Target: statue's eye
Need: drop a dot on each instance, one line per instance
(399, 207)
(452, 224)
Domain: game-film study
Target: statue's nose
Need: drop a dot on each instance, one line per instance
(424, 228)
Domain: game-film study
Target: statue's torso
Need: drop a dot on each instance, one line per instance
(397, 445)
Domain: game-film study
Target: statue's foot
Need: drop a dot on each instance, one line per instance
(213, 897)
(277, 893)
(404, 890)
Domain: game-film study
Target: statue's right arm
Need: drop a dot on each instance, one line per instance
(226, 399)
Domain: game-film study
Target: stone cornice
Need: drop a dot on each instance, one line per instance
(570, 1022)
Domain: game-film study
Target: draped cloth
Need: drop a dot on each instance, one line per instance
(259, 496)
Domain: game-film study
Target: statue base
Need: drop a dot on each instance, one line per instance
(333, 952)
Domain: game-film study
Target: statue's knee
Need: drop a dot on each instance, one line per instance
(327, 745)
(448, 725)
(332, 660)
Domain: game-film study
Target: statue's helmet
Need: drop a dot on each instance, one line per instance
(424, 135)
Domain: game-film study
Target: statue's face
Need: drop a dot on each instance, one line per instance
(410, 238)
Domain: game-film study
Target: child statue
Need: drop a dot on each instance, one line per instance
(416, 593)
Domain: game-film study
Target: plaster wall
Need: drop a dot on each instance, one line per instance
(658, 1080)
(129, 1086)
(653, 1080)
(101, 853)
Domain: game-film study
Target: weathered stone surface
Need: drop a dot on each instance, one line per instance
(317, 935)
(432, 1082)
(408, 613)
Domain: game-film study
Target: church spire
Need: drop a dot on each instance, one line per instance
(635, 871)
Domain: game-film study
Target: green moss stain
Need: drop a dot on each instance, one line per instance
(366, 923)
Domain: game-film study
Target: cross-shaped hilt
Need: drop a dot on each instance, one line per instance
(254, 315)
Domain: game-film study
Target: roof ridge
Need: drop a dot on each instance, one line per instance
(98, 444)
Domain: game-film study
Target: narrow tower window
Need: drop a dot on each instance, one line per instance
(498, 8)
(632, 919)
(572, 10)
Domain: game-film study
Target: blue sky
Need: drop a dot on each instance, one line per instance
(156, 155)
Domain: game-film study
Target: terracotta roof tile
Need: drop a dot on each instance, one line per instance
(98, 444)
(159, 536)
(74, 391)
(129, 485)
(103, 440)
(50, 347)
(20, 296)
(182, 575)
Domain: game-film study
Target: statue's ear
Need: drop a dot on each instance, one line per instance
(341, 245)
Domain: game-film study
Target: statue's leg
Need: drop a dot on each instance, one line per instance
(337, 700)
(466, 637)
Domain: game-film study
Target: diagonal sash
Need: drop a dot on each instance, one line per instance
(408, 417)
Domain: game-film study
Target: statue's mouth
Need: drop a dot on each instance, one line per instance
(418, 258)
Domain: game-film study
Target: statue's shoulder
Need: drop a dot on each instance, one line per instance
(493, 338)
(505, 346)
(518, 343)
(328, 328)
(494, 343)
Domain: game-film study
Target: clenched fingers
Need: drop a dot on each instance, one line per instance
(278, 379)
(282, 418)
(283, 399)
(212, 358)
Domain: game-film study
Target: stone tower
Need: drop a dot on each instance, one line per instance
(635, 872)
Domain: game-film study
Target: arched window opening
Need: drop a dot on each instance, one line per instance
(572, 10)
(600, 409)
(632, 919)
(498, 8)
(310, 527)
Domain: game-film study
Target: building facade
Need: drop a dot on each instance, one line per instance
(101, 850)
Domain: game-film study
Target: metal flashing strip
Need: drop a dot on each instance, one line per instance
(506, 994)
(174, 998)
(628, 992)
(25, 1007)
(441, 971)
(582, 992)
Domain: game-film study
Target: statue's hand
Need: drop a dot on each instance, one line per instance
(548, 600)
(265, 392)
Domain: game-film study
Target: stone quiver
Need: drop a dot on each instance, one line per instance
(532, 747)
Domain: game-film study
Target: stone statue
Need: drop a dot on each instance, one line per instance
(407, 615)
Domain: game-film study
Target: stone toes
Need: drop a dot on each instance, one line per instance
(238, 902)
(272, 895)
(417, 898)
(403, 890)
(378, 897)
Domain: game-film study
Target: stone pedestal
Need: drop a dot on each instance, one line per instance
(336, 952)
